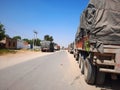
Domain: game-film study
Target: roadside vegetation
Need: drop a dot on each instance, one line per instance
(6, 51)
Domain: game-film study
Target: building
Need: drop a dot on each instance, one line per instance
(8, 43)
(22, 44)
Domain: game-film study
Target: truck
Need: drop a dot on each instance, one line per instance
(56, 47)
(71, 48)
(47, 46)
(97, 41)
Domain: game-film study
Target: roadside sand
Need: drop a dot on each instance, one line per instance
(21, 56)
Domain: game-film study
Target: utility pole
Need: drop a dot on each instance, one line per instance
(35, 38)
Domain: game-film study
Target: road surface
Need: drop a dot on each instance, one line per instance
(55, 71)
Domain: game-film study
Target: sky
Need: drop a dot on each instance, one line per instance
(57, 18)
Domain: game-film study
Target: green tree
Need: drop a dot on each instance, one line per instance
(2, 31)
(48, 38)
(17, 37)
(37, 42)
(51, 38)
(27, 40)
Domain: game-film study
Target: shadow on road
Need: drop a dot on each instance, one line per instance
(110, 84)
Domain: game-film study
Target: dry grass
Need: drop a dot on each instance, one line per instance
(6, 51)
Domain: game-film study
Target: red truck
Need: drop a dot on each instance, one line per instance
(97, 41)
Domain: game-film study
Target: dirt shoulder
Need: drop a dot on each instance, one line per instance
(19, 57)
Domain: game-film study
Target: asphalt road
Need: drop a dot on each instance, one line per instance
(56, 71)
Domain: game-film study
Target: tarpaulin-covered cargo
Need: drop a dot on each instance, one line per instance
(101, 20)
(97, 41)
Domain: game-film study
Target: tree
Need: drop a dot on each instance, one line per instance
(48, 38)
(37, 42)
(27, 40)
(17, 37)
(2, 31)
(51, 38)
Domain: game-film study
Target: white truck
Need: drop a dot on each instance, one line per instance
(47, 46)
(97, 41)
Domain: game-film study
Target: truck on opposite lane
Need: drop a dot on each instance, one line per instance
(47, 46)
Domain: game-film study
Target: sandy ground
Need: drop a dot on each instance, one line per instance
(19, 57)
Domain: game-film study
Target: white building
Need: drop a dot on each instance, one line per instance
(22, 44)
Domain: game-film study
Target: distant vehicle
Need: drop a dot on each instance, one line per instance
(97, 41)
(56, 46)
(47, 46)
(71, 48)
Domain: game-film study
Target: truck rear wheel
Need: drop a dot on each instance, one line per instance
(77, 57)
(89, 72)
(81, 64)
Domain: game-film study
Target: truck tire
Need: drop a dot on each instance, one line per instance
(74, 55)
(77, 57)
(81, 64)
(100, 77)
(42, 50)
(89, 72)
